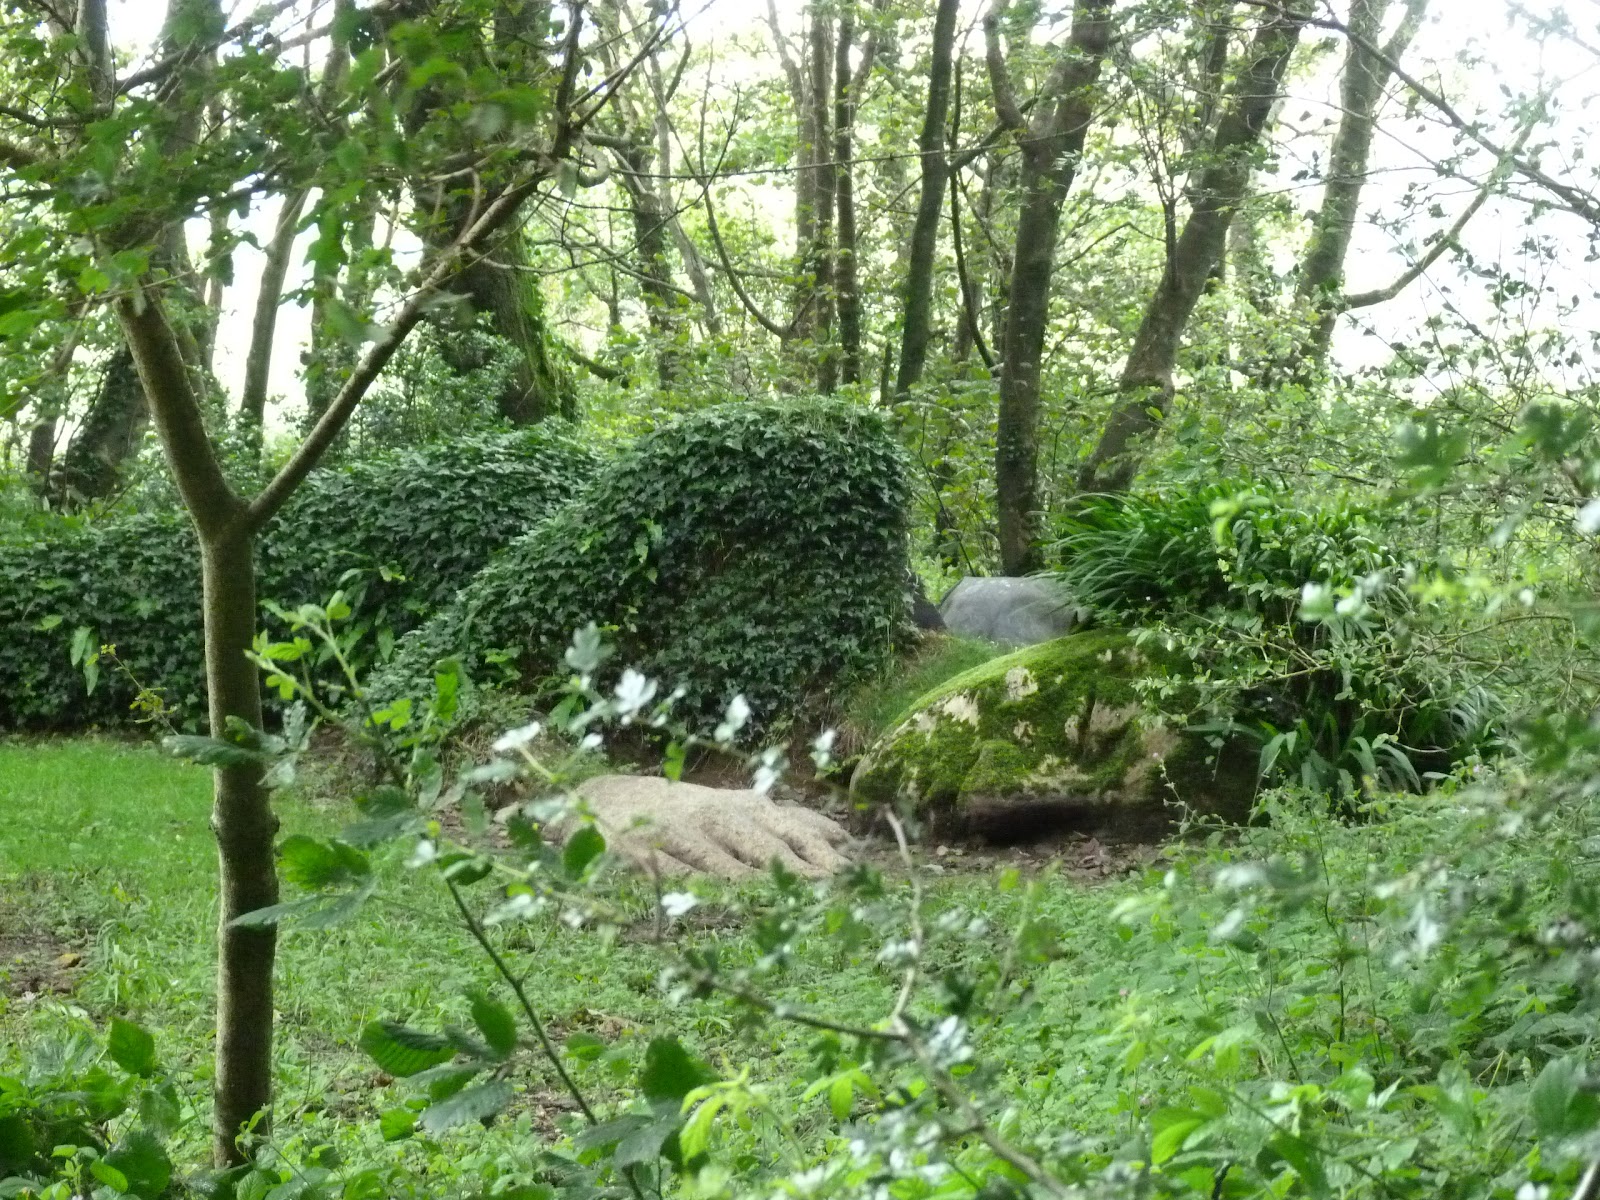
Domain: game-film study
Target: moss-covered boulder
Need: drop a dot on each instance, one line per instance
(1053, 737)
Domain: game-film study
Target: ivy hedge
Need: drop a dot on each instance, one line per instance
(414, 525)
(755, 548)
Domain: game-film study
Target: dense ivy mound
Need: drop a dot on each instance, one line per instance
(754, 548)
(1053, 736)
(415, 525)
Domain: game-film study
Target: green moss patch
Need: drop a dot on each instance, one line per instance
(1059, 725)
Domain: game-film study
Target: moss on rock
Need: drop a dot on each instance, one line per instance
(1052, 736)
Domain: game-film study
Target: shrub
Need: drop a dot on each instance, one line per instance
(414, 525)
(1334, 692)
(756, 548)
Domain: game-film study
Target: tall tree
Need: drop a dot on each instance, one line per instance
(1365, 75)
(1146, 384)
(916, 309)
(1050, 144)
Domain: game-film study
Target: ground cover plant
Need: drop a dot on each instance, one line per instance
(755, 549)
(1294, 1011)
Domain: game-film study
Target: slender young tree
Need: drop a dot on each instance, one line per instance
(165, 175)
(1362, 83)
(916, 308)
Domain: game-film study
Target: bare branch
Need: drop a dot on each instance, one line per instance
(1448, 240)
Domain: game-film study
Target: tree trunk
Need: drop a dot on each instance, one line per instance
(92, 467)
(1051, 148)
(1146, 384)
(824, 191)
(916, 328)
(245, 827)
(500, 286)
(241, 814)
(847, 292)
(1361, 87)
(52, 404)
(264, 325)
(662, 300)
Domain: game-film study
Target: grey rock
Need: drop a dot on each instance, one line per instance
(1010, 610)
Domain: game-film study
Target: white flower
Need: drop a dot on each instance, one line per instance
(734, 719)
(1588, 518)
(591, 741)
(634, 691)
(675, 904)
(822, 748)
(424, 854)
(516, 739)
(765, 777)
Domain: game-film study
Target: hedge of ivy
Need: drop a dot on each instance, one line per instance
(416, 524)
(756, 548)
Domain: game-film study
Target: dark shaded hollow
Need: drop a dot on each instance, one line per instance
(1014, 822)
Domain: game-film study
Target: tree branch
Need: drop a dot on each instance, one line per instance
(1575, 199)
(443, 270)
(1005, 97)
(1447, 240)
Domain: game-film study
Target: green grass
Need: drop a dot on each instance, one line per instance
(877, 705)
(106, 852)
(1123, 1002)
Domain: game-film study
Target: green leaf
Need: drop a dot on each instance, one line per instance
(313, 863)
(476, 1103)
(1171, 1128)
(1561, 1105)
(647, 1143)
(110, 1176)
(211, 752)
(495, 1022)
(671, 1072)
(403, 1051)
(397, 1124)
(143, 1163)
(131, 1048)
(582, 849)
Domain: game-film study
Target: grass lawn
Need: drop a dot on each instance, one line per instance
(108, 905)
(1123, 1005)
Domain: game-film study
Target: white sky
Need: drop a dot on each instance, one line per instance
(1404, 151)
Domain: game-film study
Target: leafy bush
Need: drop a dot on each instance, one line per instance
(1300, 622)
(755, 548)
(68, 1121)
(414, 525)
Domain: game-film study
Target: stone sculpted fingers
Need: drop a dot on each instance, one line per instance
(731, 833)
(829, 830)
